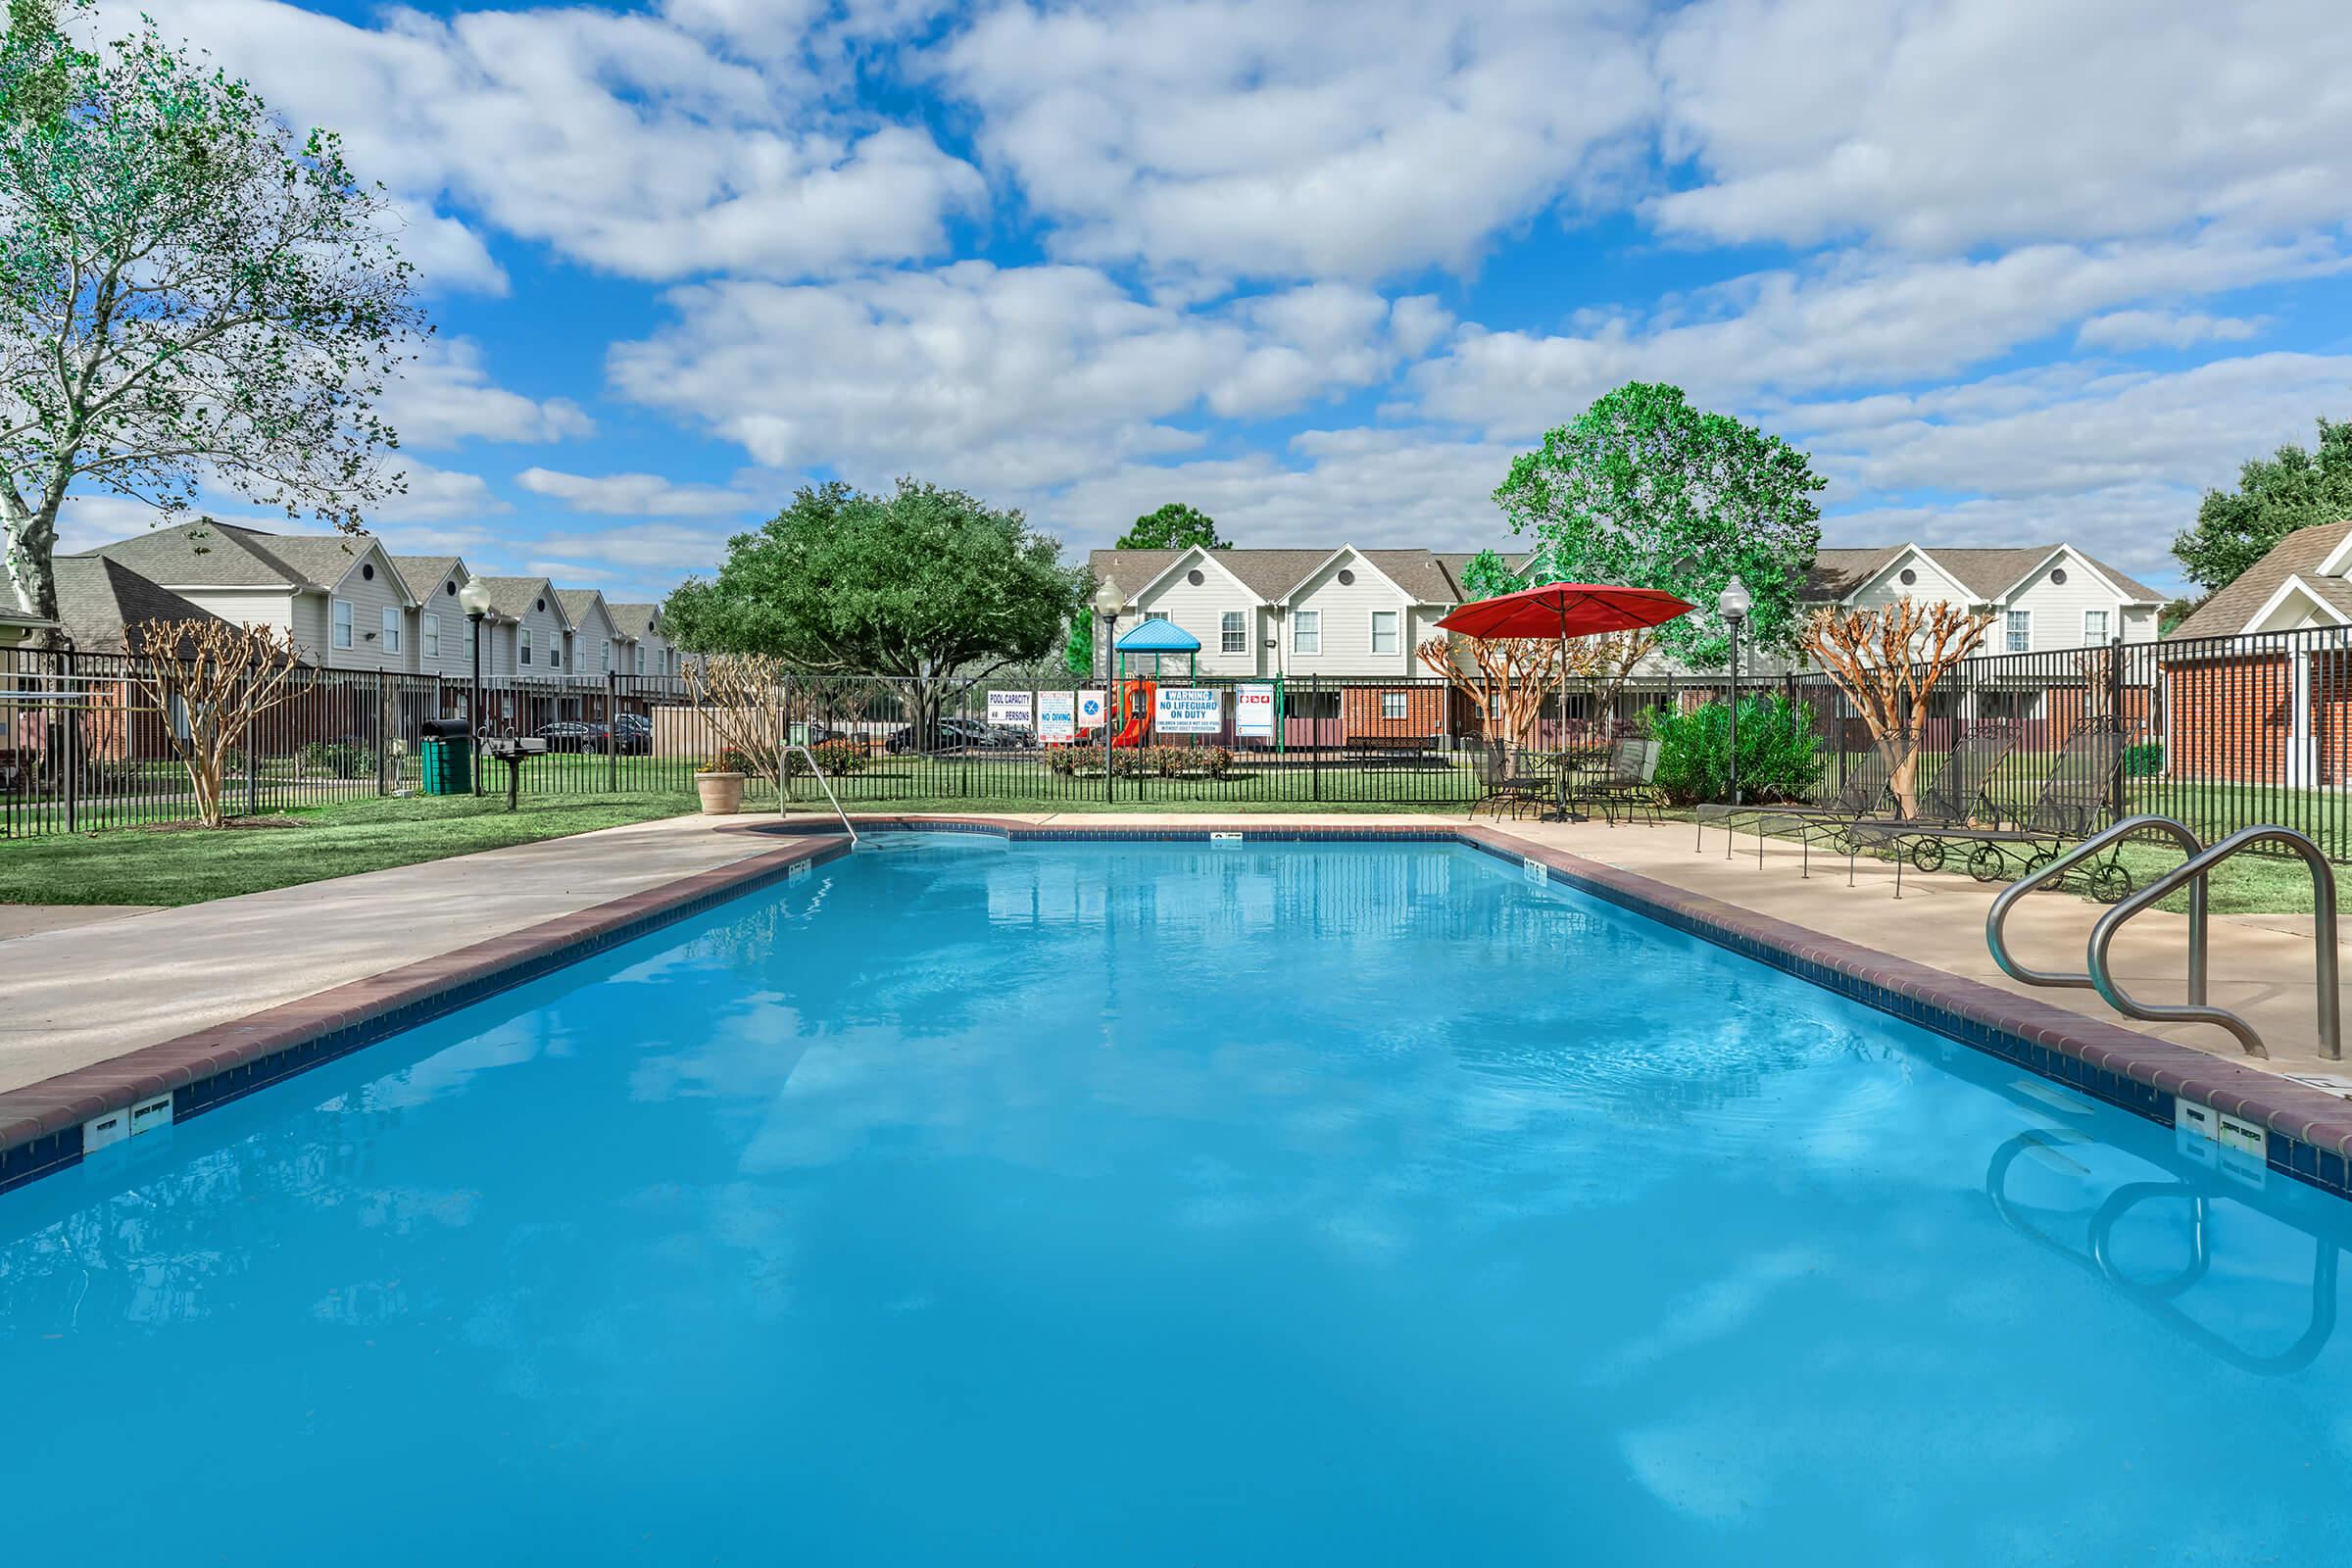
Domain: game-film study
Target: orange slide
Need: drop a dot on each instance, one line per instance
(1138, 697)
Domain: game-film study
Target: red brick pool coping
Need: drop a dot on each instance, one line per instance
(2310, 1132)
(40, 1124)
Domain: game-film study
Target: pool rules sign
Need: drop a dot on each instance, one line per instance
(1254, 713)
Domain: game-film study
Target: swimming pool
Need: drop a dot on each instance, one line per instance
(961, 1202)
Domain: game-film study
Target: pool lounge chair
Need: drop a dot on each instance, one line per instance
(1626, 781)
(2068, 807)
(1955, 799)
(1864, 795)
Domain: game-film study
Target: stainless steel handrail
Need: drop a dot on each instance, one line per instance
(2001, 906)
(822, 783)
(2195, 872)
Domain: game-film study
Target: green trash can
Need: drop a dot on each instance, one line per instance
(446, 763)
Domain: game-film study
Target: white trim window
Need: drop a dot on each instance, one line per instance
(554, 656)
(339, 611)
(606, 657)
(391, 628)
(1383, 634)
(641, 658)
(2017, 631)
(428, 636)
(1395, 706)
(1307, 631)
(2095, 627)
(522, 645)
(1233, 632)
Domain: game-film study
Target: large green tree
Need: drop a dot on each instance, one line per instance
(1174, 526)
(929, 585)
(2275, 496)
(190, 293)
(1642, 489)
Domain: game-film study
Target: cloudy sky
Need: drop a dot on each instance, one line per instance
(2011, 270)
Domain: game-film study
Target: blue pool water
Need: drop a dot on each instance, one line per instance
(962, 1202)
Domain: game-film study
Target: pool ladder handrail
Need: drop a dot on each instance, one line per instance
(2193, 874)
(822, 783)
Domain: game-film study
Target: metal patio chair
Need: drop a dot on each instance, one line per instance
(1626, 781)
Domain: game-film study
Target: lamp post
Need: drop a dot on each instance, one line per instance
(474, 599)
(1109, 602)
(1734, 604)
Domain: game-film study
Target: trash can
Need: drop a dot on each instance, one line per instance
(446, 762)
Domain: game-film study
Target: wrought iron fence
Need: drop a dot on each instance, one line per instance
(2223, 732)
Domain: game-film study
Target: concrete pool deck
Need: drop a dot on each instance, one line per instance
(97, 1015)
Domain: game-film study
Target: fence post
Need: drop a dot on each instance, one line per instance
(2114, 713)
(384, 736)
(71, 733)
(253, 766)
(1314, 749)
(611, 734)
(783, 740)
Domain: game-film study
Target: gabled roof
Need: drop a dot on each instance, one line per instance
(2300, 553)
(580, 603)
(514, 597)
(207, 554)
(1988, 575)
(428, 576)
(100, 600)
(1425, 575)
(635, 620)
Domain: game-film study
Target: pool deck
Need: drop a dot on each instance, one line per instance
(97, 1014)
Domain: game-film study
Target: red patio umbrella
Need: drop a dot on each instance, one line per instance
(1566, 610)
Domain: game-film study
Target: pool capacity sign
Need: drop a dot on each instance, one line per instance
(1187, 711)
(1009, 708)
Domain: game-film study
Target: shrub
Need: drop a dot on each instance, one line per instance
(2143, 761)
(1780, 755)
(836, 758)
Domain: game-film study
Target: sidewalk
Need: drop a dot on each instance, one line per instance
(71, 997)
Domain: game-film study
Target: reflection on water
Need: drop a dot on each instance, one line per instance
(1235, 1204)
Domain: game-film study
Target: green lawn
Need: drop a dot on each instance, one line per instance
(188, 865)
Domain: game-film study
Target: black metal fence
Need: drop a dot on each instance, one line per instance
(2222, 733)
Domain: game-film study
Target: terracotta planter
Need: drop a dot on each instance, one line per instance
(721, 793)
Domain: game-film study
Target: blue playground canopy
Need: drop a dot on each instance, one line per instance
(1158, 637)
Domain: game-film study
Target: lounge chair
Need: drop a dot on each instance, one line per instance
(1954, 800)
(1863, 796)
(2072, 801)
(1626, 778)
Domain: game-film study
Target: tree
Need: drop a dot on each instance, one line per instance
(1174, 526)
(206, 682)
(1890, 662)
(2275, 496)
(739, 699)
(1509, 679)
(928, 585)
(1645, 490)
(1078, 651)
(188, 293)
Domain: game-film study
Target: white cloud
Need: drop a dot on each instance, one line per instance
(445, 396)
(1853, 322)
(1942, 124)
(437, 495)
(1326, 138)
(627, 142)
(1368, 487)
(634, 495)
(641, 552)
(989, 376)
(2123, 330)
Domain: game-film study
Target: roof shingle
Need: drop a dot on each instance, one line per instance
(2300, 553)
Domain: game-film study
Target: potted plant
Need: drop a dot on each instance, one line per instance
(721, 784)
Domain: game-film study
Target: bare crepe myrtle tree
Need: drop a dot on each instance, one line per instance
(1888, 661)
(1509, 679)
(740, 698)
(207, 681)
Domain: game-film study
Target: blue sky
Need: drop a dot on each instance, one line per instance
(2013, 271)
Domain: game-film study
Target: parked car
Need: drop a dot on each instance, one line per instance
(583, 735)
(952, 735)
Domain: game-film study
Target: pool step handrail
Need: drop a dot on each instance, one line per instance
(822, 783)
(2193, 874)
(1997, 917)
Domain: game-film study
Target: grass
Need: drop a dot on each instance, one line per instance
(190, 865)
